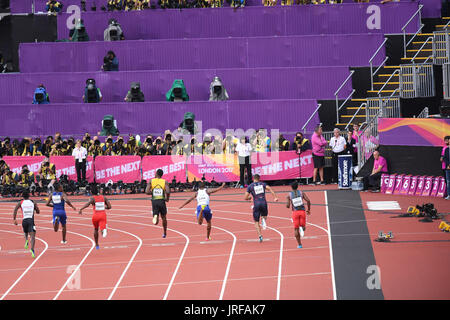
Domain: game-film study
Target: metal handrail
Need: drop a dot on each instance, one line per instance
(372, 74)
(343, 103)
(337, 91)
(362, 104)
(407, 23)
(379, 48)
(423, 114)
(312, 115)
(386, 83)
(420, 49)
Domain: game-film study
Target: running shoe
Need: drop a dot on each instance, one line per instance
(164, 235)
(155, 219)
(63, 242)
(26, 244)
(299, 246)
(260, 239)
(32, 253)
(207, 239)
(97, 247)
(447, 198)
(302, 233)
(104, 233)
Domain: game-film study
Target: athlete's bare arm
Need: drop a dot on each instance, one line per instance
(288, 203)
(308, 203)
(108, 204)
(167, 192)
(36, 208)
(188, 200)
(273, 193)
(248, 196)
(148, 189)
(87, 204)
(66, 199)
(49, 202)
(216, 190)
(15, 212)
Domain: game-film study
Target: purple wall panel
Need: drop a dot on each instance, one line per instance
(154, 117)
(323, 50)
(250, 21)
(241, 84)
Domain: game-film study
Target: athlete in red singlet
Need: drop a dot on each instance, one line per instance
(100, 204)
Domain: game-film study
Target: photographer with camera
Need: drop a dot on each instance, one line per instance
(92, 94)
(6, 147)
(301, 144)
(229, 144)
(107, 147)
(26, 177)
(283, 144)
(263, 143)
(53, 6)
(47, 146)
(40, 95)
(135, 94)
(119, 148)
(95, 149)
(160, 148)
(37, 148)
(9, 182)
(110, 62)
(80, 156)
(113, 32)
(46, 175)
(24, 148)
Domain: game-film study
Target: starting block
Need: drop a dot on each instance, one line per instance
(444, 226)
(384, 237)
(413, 211)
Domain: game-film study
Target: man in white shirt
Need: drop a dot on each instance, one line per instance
(338, 146)
(80, 155)
(244, 149)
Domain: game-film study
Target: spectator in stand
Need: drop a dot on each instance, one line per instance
(110, 62)
(318, 150)
(40, 95)
(53, 6)
(446, 146)
(338, 146)
(446, 161)
(113, 32)
(379, 167)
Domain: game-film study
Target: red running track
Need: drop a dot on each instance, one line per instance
(135, 262)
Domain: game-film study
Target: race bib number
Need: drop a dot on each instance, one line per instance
(99, 206)
(297, 202)
(158, 192)
(202, 200)
(56, 199)
(259, 190)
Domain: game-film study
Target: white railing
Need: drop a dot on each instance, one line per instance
(310, 118)
(387, 81)
(424, 113)
(417, 80)
(368, 141)
(372, 74)
(384, 107)
(337, 93)
(441, 47)
(405, 44)
(354, 115)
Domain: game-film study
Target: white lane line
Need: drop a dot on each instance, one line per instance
(331, 248)
(128, 265)
(27, 269)
(75, 271)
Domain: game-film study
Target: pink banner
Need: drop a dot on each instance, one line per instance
(269, 165)
(16, 163)
(65, 165)
(117, 168)
(172, 166)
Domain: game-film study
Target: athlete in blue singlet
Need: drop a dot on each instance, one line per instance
(257, 190)
(203, 210)
(57, 201)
